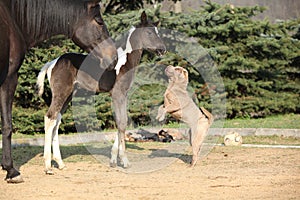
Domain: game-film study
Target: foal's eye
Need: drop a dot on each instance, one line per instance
(99, 20)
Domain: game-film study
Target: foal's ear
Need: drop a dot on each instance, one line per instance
(156, 23)
(91, 6)
(144, 19)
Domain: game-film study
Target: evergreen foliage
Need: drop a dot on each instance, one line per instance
(258, 61)
(118, 6)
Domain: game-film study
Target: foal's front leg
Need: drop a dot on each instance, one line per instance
(120, 106)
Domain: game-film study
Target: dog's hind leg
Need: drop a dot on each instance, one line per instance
(197, 136)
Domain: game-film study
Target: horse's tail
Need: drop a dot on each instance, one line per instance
(47, 68)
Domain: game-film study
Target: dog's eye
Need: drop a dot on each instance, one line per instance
(178, 70)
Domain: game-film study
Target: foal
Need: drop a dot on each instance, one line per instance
(69, 69)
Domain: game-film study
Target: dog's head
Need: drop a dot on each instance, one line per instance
(177, 75)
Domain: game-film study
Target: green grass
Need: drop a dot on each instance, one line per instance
(271, 140)
(291, 121)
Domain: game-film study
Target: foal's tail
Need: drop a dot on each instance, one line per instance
(47, 68)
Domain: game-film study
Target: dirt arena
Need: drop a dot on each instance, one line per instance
(225, 173)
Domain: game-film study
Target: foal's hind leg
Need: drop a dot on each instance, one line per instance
(49, 128)
(52, 122)
(55, 141)
(55, 145)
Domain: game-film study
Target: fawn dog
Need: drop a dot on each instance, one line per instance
(180, 105)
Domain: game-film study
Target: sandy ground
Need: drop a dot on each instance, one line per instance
(225, 173)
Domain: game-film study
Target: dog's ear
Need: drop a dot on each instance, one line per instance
(186, 74)
(183, 72)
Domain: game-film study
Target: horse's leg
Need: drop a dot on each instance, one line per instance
(7, 90)
(120, 105)
(11, 56)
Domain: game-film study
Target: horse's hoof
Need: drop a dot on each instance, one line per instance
(49, 172)
(17, 179)
(113, 164)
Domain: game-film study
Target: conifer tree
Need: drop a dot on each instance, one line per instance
(259, 62)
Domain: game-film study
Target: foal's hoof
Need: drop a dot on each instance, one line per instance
(192, 165)
(17, 179)
(62, 167)
(49, 172)
(127, 165)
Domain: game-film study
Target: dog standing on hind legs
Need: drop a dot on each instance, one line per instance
(179, 104)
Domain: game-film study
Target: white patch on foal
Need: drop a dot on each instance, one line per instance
(122, 54)
(51, 136)
(114, 152)
(156, 31)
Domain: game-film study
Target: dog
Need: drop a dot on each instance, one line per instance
(180, 105)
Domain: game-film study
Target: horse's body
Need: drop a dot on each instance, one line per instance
(23, 24)
(77, 69)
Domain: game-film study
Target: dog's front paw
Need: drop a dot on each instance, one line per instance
(160, 118)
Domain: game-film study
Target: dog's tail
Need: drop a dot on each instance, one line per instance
(209, 116)
(47, 68)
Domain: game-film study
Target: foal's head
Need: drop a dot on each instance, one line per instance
(145, 36)
(91, 34)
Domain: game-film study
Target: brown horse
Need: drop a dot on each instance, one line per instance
(73, 69)
(25, 23)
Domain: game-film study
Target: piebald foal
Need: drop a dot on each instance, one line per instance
(71, 69)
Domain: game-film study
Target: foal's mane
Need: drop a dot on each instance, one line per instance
(122, 40)
(45, 17)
